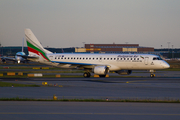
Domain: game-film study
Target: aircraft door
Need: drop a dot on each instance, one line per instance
(146, 60)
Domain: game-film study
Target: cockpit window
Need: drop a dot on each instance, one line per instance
(157, 58)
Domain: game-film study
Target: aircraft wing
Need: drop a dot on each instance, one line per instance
(8, 58)
(27, 56)
(79, 65)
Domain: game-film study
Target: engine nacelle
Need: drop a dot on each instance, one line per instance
(101, 70)
(124, 72)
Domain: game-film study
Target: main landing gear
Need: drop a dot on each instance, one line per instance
(87, 74)
(152, 73)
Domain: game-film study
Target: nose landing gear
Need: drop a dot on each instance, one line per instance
(152, 73)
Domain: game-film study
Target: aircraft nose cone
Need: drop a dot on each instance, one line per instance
(166, 65)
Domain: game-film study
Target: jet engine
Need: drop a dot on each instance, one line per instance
(101, 70)
(124, 72)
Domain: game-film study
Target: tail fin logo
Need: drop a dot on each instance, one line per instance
(34, 49)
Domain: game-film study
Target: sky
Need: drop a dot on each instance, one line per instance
(73, 23)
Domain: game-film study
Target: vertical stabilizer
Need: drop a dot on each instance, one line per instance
(34, 46)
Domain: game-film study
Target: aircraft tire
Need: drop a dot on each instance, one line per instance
(86, 74)
(152, 75)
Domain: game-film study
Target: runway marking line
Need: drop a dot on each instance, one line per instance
(29, 113)
(135, 81)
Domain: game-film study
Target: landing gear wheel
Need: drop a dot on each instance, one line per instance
(86, 74)
(152, 75)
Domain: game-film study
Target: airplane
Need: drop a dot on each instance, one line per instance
(99, 64)
(17, 58)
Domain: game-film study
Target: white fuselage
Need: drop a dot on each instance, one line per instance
(115, 62)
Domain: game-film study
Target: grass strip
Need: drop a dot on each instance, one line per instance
(6, 84)
(92, 100)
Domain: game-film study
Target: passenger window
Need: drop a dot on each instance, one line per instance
(89, 58)
(127, 58)
(111, 58)
(114, 58)
(104, 58)
(62, 58)
(117, 58)
(107, 58)
(96, 58)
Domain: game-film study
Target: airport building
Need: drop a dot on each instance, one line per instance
(100, 48)
(115, 48)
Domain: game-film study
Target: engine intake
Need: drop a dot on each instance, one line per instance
(101, 70)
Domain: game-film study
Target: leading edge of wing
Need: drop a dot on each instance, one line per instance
(8, 58)
(73, 63)
(27, 56)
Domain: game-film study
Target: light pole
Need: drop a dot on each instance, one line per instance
(172, 51)
(168, 49)
(168, 45)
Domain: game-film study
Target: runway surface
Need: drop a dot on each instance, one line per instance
(160, 88)
(18, 110)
